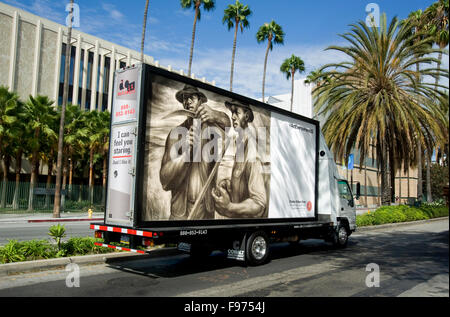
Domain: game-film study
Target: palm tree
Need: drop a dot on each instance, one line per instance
(8, 106)
(376, 97)
(57, 203)
(49, 150)
(316, 77)
(76, 136)
(236, 16)
(196, 4)
(273, 33)
(436, 17)
(418, 25)
(144, 27)
(290, 66)
(98, 125)
(40, 116)
(438, 26)
(19, 147)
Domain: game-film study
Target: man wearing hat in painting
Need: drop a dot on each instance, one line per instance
(186, 176)
(244, 195)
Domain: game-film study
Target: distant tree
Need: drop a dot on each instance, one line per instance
(289, 67)
(438, 179)
(436, 17)
(98, 127)
(196, 4)
(8, 116)
(144, 27)
(40, 117)
(273, 33)
(236, 16)
(316, 77)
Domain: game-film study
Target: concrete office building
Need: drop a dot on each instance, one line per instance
(32, 58)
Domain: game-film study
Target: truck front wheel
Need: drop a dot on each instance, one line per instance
(257, 248)
(340, 237)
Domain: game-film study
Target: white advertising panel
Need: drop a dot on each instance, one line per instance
(293, 165)
(127, 93)
(123, 144)
(121, 172)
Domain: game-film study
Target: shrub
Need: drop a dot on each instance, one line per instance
(365, 220)
(12, 252)
(37, 249)
(401, 213)
(57, 232)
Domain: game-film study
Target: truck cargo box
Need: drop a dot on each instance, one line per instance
(224, 159)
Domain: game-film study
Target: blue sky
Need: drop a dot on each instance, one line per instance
(310, 27)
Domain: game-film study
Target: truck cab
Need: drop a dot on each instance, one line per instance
(336, 200)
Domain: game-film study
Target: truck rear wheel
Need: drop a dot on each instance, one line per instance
(257, 248)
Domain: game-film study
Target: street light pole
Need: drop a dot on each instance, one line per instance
(57, 203)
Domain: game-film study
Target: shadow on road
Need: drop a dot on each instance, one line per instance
(406, 254)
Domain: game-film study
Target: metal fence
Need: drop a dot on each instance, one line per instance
(15, 197)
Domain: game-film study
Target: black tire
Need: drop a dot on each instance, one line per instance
(341, 236)
(257, 248)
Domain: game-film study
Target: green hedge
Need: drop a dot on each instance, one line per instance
(32, 250)
(401, 213)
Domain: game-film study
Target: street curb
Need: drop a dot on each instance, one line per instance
(42, 265)
(65, 220)
(397, 224)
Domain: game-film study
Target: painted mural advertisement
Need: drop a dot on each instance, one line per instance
(208, 157)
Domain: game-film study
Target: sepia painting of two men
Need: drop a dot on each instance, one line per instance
(202, 156)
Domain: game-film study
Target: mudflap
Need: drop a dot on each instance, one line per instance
(237, 251)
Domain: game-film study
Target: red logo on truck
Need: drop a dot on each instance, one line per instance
(309, 206)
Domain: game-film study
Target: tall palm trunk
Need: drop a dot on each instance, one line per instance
(428, 176)
(233, 55)
(391, 174)
(49, 180)
(144, 27)
(408, 184)
(64, 182)
(15, 204)
(59, 162)
(265, 67)
(385, 192)
(91, 176)
(419, 172)
(292, 88)
(191, 54)
(419, 158)
(34, 171)
(5, 162)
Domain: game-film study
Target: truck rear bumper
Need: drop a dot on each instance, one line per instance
(119, 248)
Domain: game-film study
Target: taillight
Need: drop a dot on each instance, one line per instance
(148, 242)
(98, 234)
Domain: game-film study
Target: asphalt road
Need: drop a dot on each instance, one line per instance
(22, 231)
(412, 260)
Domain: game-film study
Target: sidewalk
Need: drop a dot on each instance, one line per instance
(48, 217)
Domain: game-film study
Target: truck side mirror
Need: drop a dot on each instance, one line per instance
(358, 190)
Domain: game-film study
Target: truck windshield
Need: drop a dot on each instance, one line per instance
(344, 190)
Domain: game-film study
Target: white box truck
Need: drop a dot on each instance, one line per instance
(207, 169)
